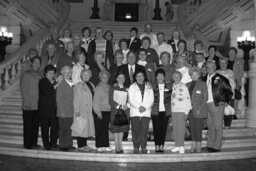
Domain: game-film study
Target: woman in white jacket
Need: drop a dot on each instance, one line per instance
(78, 68)
(141, 99)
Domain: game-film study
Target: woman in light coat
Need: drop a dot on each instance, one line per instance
(83, 96)
(141, 99)
(80, 65)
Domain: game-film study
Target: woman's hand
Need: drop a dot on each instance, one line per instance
(125, 107)
(77, 114)
(59, 79)
(99, 116)
(142, 109)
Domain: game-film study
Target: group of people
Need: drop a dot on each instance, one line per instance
(71, 91)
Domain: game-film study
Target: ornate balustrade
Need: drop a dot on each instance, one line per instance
(10, 68)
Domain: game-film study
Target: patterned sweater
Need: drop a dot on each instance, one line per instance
(180, 99)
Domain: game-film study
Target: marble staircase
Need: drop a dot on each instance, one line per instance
(238, 142)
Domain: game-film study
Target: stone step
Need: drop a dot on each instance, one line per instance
(128, 145)
(14, 117)
(11, 103)
(11, 107)
(17, 119)
(11, 111)
(233, 132)
(151, 157)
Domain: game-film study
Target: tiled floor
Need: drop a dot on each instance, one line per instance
(8, 163)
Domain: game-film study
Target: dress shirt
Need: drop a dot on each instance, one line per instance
(176, 44)
(70, 83)
(132, 38)
(125, 52)
(209, 88)
(161, 98)
(143, 63)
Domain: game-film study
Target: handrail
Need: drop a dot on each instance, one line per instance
(11, 67)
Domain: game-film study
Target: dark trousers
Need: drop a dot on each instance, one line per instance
(81, 142)
(30, 128)
(140, 131)
(65, 138)
(49, 125)
(125, 137)
(215, 125)
(101, 129)
(228, 119)
(196, 127)
(160, 123)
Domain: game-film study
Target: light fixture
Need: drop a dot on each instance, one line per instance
(128, 16)
(5, 39)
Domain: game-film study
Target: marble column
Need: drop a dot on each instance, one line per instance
(251, 110)
(95, 10)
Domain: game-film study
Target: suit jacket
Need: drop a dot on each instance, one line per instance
(221, 89)
(135, 45)
(95, 79)
(150, 71)
(109, 54)
(125, 70)
(199, 99)
(47, 99)
(55, 60)
(29, 89)
(172, 43)
(167, 99)
(152, 56)
(65, 100)
(216, 59)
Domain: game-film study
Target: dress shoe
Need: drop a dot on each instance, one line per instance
(47, 148)
(64, 149)
(213, 150)
(175, 149)
(205, 148)
(37, 147)
(144, 151)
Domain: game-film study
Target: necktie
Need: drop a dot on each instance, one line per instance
(131, 74)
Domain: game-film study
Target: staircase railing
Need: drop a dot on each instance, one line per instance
(10, 68)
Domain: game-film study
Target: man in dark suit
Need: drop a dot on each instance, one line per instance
(129, 69)
(219, 94)
(134, 42)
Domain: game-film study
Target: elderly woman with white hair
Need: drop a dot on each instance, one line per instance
(183, 69)
(65, 109)
(102, 109)
(83, 96)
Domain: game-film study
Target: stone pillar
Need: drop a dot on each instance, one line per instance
(157, 12)
(251, 110)
(95, 10)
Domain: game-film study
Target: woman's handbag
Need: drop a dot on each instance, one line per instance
(120, 118)
(78, 125)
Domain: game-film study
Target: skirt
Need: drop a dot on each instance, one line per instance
(118, 129)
